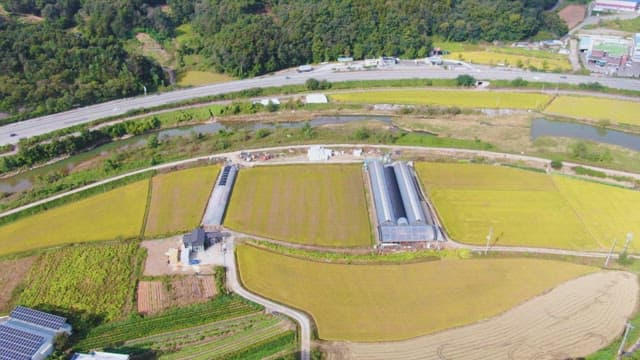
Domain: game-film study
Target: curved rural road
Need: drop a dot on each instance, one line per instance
(10, 134)
(234, 284)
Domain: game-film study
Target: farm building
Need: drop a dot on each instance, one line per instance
(196, 240)
(98, 355)
(28, 334)
(316, 99)
(220, 196)
(400, 210)
(616, 5)
(318, 153)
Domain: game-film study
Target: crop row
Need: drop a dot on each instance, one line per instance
(176, 339)
(223, 307)
(228, 346)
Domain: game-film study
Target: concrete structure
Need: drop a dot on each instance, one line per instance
(616, 5)
(318, 153)
(28, 334)
(400, 210)
(316, 99)
(265, 102)
(98, 355)
(217, 205)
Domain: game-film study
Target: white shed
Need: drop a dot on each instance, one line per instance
(318, 153)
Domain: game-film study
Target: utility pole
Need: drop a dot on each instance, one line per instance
(624, 339)
(626, 244)
(606, 262)
(145, 90)
(489, 235)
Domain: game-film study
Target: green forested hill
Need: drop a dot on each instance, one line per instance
(75, 55)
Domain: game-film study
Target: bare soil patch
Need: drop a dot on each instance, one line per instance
(573, 320)
(12, 274)
(156, 263)
(152, 297)
(152, 48)
(572, 15)
(157, 295)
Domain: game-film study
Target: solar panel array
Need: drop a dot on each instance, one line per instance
(17, 344)
(39, 318)
(224, 176)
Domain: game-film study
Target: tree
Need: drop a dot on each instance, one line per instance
(153, 142)
(312, 84)
(465, 80)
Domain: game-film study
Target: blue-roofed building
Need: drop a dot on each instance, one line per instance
(28, 334)
(635, 54)
(586, 44)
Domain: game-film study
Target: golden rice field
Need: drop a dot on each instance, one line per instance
(115, 213)
(321, 205)
(196, 78)
(526, 208)
(178, 200)
(395, 302)
(514, 60)
(584, 107)
(461, 98)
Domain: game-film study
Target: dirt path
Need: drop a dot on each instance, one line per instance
(575, 319)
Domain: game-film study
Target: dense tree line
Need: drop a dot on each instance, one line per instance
(45, 69)
(76, 55)
(248, 37)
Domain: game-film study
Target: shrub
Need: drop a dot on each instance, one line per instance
(519, 82)
(556, 164)
(465, 80)
(312, 84)
(220, 274)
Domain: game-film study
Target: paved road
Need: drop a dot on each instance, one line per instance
(49, 123)
(234, 284)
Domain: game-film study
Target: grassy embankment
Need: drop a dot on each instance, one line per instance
(525, 208)
(349, 302)
(321, 205)
(178, 200)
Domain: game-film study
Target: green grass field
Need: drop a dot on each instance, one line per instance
(322, 205)
(107, 216)
(98, 280)
(178, 200)
(584, 107)
(393, 302)
(461, 98)
(526, 208)
(612, 48)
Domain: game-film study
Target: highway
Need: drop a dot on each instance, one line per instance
(10, 134)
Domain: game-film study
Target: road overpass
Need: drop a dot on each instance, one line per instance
(10, 134)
